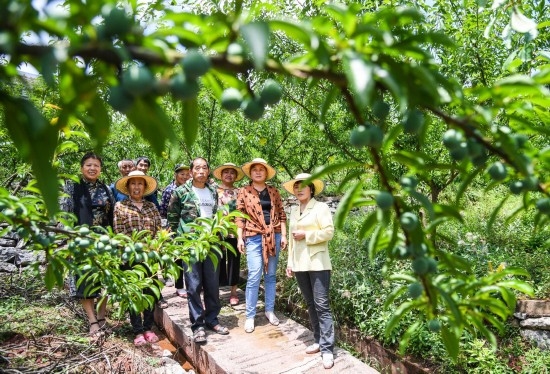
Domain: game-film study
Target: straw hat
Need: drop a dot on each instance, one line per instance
(152, 184)
(270, 170)
(318, 184)
(228, 165)
(181, 167)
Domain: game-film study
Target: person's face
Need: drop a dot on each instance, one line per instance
(303, 194)
(229, 176)
(142, 166)
(258, 173)
(182, 176)
(125, 168)
(200, 171)
(91, 169)
(136, 188)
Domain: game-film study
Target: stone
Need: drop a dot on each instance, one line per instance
(8, 242)
(540, 337)
(169, 366)
(542, 323)
(7, 268)
(533, 308)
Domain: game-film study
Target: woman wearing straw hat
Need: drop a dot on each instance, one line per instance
(138, 214)
(263, 234)
(310, 230)
(228, 174)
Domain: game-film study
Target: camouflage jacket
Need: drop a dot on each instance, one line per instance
(183, 207)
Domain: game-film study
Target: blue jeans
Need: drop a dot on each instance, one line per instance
(255, 263)
(203, 276)
(314, 286)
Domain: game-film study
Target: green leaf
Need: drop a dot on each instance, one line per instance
(149, 117)
(256, 35)
(406, 337)
(400, 312)
(451, 342)
(359, 75)
(346, 204)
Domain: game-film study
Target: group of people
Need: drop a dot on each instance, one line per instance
(131, 204)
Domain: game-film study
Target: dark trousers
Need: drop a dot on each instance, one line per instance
(143, 321)
(230, 265)
(314, 286)
(203, 276)
(179, 282)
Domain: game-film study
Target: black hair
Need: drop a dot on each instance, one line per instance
(311, 186)
(91, 155)
(199, 158)
(144, 159)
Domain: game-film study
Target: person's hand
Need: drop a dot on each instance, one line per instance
(299, 234)
(289, 272)
(283, 243)
(240, 245)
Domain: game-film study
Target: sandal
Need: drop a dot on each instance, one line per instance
(140, 340)
(219, 329)
(103, 326)
(150, 336)
(199, 336)
(234, 300)
(181, 293)
(97, 333)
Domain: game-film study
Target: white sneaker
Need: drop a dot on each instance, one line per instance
(249, 325)
(314, 348)
(328, 360)
(272, 318)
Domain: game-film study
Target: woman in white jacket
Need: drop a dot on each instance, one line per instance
(310, 230)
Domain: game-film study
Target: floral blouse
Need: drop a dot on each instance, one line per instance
(101, 201)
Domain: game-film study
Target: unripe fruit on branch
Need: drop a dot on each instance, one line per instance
(231, 99)
(452, 139)
(253, 109)
(414, 121)
(415, 290)
(384, 200)
(195, 64)
(409, 221)
(184, 88)
(137, 81)
(497, 171)
(543, 205)
(271, 92)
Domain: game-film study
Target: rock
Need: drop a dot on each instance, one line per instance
(21, 257)
(540, 337)
(8, 242)
(542, 323)
(7, 268)
(170, 367)
(533, 308)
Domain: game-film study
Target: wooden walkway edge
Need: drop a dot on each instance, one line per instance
(268, 350)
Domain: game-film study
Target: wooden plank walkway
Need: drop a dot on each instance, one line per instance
(269, 349)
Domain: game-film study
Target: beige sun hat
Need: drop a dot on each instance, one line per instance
(318, 184)
(228, 165)
(152, 184)
(270, 170)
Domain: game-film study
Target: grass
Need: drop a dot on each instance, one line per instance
(47, 332)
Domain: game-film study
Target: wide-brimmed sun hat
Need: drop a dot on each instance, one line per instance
(318, 184)
(152, 183)
(181, 167)
(228, 165)
(259, 161)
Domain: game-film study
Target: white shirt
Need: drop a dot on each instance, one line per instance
(206, 201)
